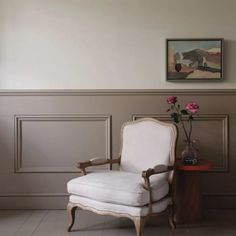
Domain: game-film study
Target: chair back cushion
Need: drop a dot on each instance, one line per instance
(145, 143)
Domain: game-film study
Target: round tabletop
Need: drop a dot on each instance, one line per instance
(203, 165)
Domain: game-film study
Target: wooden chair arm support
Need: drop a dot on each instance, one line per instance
(158, 169)
(96, 162)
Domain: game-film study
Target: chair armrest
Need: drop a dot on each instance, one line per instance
(96, 162)
(158, 169)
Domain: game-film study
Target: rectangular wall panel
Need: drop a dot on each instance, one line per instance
(210, 133)
(57, 143)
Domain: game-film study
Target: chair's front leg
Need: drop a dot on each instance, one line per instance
(71, 208)
(139, 224)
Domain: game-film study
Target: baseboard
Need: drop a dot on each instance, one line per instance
(33, 202)
(59, 201)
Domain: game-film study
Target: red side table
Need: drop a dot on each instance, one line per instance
(187, 193)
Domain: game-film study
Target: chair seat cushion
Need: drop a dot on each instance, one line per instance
(118, 187)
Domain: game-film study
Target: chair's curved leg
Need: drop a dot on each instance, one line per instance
(172, 216)
(139, 224)
(71, 208)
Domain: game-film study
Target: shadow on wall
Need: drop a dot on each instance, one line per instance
(228, 58)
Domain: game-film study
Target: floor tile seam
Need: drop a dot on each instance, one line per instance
(23, 223)
(40, 222)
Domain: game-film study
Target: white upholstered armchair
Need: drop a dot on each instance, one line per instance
(141, 187)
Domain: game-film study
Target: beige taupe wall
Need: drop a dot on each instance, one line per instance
(106, 44)
(44, 134)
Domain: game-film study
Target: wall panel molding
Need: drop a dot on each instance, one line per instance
(32, 183)
(19, 119)
(117, 92)
(223, 118)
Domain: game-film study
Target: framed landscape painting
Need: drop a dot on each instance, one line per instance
(194, 59)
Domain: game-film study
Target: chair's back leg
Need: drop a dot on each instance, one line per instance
(71, 208)
(139, 224)
(172, 216)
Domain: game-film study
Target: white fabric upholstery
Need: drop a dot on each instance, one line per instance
(120, 209)
(145, 144)
(118, 187)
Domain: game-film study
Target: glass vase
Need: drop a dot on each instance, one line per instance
(190, 153)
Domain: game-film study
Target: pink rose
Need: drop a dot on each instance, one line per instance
(192, 107)
(171, 100)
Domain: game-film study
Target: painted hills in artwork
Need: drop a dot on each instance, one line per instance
(194, 61)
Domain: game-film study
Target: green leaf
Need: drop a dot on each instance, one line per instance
(178, 106)
(176, 117)
(184, 112)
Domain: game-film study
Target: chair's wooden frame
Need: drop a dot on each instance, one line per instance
(138, 221)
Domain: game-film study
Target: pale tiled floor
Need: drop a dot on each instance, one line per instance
(53, 223)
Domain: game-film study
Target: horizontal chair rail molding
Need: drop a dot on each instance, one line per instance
(118, 92)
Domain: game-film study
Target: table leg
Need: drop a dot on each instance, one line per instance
(188, 197)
